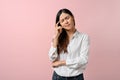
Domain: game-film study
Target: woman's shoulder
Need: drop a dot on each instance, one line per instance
(82, 34)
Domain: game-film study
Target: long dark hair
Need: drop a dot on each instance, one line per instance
(63, 39)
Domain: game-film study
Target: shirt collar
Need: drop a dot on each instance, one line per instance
(75, 34)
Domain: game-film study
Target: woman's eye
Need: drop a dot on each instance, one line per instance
(67, 17)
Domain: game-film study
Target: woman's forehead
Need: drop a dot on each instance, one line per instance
(63, 15)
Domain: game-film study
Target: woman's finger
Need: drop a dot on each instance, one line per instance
(57, 24)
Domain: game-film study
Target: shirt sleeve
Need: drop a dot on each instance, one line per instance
(83, 58)
(53, 53)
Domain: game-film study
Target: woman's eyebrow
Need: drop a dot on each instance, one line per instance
(64, 17)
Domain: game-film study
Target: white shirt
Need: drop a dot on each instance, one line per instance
(76, 58)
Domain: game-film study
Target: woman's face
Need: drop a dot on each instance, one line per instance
(67, 21)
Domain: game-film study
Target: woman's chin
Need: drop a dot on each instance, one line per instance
(68, 29)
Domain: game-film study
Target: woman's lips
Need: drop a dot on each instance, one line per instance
(68, 25)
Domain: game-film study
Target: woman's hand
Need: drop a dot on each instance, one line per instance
(58, 63)
(58, 30)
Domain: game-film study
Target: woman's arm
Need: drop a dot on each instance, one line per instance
(58, 63)
(78, 61)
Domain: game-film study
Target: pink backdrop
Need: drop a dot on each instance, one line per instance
(27, 26)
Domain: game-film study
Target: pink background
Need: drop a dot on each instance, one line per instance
(27, 26)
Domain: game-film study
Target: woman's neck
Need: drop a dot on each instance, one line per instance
(70, 33)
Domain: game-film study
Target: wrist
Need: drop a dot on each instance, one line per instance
(63, 62)
(56, 36)
(55, 42)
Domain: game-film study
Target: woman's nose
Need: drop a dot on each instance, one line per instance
(66, 22)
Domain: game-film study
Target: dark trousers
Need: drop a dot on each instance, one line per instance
(57, 77)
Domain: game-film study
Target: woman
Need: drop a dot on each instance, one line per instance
(69, 48)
